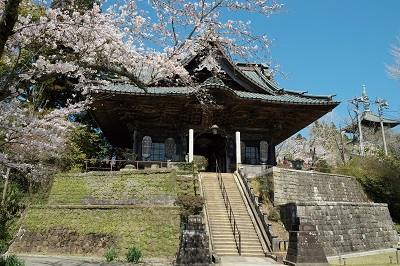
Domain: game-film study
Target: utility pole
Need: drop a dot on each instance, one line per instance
(382, 104)
(355, 102)
(342, 143)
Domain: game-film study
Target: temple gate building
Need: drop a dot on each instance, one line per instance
(239, 116)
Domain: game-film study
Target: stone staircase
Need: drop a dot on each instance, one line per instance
(220, 228)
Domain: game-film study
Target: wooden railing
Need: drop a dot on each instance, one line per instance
(232, 220)
(111, 165)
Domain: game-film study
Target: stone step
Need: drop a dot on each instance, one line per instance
(220, 227)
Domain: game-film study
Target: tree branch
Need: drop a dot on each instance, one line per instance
(7, 22)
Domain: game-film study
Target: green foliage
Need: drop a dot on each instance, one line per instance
(200, 162)
(9, 213)
(133, 255)
(263, 188)
(274, 214)
(111, 254)
(323, 166)
(397, 227)
(11, 260)
(380, 177)
(84, 142)
(189, 205)
(185, 166)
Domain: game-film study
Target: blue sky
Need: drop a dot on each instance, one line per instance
(336, 46)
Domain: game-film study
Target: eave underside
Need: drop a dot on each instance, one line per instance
(161, 117)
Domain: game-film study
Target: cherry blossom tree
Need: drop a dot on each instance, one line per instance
(394, 71)
(141, 42)
(31, 143)
(137, 42)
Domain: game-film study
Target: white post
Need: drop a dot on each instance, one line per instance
(360, 132)
(238, 151)
(382, 104)
(191, 144)
(383, 137)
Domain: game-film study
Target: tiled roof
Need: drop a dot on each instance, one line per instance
(281, 98)
(369, 116)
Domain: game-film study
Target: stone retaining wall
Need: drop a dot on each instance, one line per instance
(346, 227)
(61, 241)
(294, 185)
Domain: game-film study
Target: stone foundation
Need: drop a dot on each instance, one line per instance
(61, 241)
(194, 247)
(337, 206)
(294, 185)
(346, 227)
(304, 245)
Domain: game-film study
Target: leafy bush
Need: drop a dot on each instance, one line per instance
(189, 205)
(84, 142)
(185, 166)
(111, 254)
(323, 166)
(133, 255)
(11, 260)
(380, 177)
(200, 162)
(9, 213)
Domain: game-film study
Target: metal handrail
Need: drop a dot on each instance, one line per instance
(211, 243)
(228, 206)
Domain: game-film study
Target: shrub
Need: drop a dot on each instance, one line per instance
(380, 178)
(9, 213)
(11, 260)
(189, 205)
(200, 162)
(111, 254)
(133, 255)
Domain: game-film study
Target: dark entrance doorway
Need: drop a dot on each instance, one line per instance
(215, 148)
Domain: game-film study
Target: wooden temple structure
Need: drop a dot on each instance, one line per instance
(233, 113)
(369, 119)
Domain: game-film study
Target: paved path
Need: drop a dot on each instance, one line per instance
(247, 261)
(38, 260)
(41, 260)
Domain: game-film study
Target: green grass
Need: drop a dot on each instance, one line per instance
(152, 225)
(378, 259)
(155, 230)
(397, 227)
(118, 187)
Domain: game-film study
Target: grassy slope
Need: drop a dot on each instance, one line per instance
(378, 259)
(154, 229)
(117, 186)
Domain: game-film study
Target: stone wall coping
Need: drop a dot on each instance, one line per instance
(60, 206)
(335, 203)
(279, 169)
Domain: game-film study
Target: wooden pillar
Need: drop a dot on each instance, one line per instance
(135, 142)
(271, 153)
(238, 151)
(191, 145)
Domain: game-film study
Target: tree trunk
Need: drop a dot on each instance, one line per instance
(7, 22)
(3, 201)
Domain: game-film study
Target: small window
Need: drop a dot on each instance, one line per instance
(157, 152)
(252, 155)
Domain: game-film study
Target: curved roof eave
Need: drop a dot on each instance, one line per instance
(164, 91)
